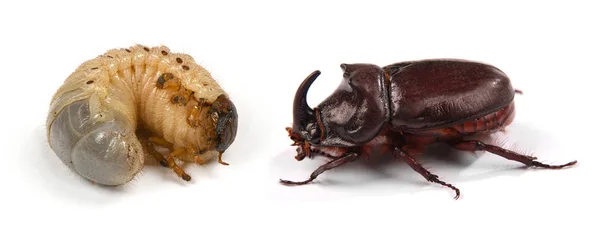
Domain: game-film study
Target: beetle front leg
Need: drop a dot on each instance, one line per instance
(303, 151)
(350, 157)
(414, 164)
(474, 145)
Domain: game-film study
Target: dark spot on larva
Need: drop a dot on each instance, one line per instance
(109, 56)
(94, 68)
(129, 51)
(164, 52)
(89, 82)
(146, 49)
(179, 60)
(205, 84)
(161, 80)
(185, 67)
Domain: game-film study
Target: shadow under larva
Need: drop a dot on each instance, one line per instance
(118, 109)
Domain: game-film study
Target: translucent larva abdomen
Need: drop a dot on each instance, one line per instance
(114, 109)
(104, 151)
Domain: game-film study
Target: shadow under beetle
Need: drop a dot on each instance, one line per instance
(402, 108)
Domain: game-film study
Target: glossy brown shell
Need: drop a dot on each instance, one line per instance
(358, 109)
(436, 93)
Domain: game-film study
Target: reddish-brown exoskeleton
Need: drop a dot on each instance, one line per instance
(404, 107)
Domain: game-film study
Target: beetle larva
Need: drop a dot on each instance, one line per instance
(118, 107)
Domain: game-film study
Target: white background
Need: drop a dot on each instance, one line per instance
(260, 51)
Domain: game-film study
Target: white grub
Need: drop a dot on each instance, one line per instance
(95, 115)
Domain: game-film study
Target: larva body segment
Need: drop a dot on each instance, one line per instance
(114, 109)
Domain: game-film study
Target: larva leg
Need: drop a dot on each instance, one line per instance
(199, 157)
(203, 156)
(161, 142)
(195, 112)
(149, 145)
(171, 163)
(168, 161)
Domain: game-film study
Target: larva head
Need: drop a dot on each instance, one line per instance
(225, 117)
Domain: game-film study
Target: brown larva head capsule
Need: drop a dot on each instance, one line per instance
(225, 115)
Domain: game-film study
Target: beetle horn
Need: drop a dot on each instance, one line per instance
(302, 112)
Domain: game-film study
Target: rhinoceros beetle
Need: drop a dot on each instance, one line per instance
(403, 107)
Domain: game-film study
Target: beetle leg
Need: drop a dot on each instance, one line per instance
(414, 164)
(327, 166)
(474, 145)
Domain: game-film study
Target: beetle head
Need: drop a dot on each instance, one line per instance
(352, 115)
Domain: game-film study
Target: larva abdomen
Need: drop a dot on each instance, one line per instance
(97, 114)
(104, 151)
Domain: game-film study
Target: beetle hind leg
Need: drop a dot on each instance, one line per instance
(474, 145)
(350, 157)
(416, 166)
